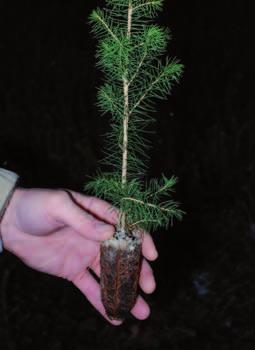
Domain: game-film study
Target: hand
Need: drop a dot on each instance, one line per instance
(59, 232)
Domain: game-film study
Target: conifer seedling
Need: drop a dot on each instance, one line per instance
(132, 54)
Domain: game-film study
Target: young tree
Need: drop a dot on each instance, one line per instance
(129, 53)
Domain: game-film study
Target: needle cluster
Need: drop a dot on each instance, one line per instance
(129, 53)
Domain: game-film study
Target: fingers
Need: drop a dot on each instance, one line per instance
(147, 280)
(95, 266)
(97, 207)
(90, 288)
(148, 248)
(68, 213)
(141, 310)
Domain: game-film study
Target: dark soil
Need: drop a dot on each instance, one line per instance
(120, 271)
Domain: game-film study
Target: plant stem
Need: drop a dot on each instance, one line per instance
(126, 117)
(125, 132)
(130, 13)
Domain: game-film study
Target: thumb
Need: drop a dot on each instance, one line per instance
(69, 213)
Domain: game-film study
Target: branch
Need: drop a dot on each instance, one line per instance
(110, 99)
(105, 25)
(146, 93)
(166, 186)
(148, 204)
(138, 68)
(153, 2)
(141, 221)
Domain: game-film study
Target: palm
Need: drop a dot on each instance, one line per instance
(64, 253)
(59, 233)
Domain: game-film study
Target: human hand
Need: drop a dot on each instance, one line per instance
(59, 232)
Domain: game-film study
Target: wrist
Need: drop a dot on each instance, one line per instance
(7, 222)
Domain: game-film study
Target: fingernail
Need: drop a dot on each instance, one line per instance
(155, 255)
(150, 286)
(116, 323)
(145, 313)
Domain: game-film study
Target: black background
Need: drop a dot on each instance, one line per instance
(51, 135)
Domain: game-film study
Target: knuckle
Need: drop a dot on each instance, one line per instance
(77, 278)
(90, 202)
(58, 197)
(93, 225)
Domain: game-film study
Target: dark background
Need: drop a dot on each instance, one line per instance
(50, 134)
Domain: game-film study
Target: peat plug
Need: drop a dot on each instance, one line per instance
(120, 271)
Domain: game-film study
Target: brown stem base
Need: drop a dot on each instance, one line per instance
(120, 270)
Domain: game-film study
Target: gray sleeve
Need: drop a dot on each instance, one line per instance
(8, 180)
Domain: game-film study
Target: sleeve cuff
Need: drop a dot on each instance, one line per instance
(8, 180)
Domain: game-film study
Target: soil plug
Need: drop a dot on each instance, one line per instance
(120, 266)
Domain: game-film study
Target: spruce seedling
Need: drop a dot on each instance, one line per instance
(129, 53)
